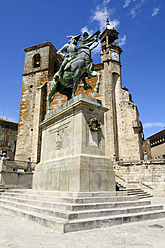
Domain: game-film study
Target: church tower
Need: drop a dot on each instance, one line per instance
(123, 128)
(41, 62)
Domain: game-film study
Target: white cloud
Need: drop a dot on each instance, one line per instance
(101, 13)
(114, 23)
(122, 40)
(133, 12)
(155, 11)
(106, 2)
(137, 6)
(127, 3)
(153, 124)
(97, 49)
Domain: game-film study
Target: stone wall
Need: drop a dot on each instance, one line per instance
(16, 179)
(33, 99)
(157, 145)
(129, 128)
(158, 152)
(138, 175)
(8, 137)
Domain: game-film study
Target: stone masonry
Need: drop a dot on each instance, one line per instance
(157, 145)
(73, 154)
(8, 137)
(149, 176)
(33, 98)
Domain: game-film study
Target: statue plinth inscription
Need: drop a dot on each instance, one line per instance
(73, 149)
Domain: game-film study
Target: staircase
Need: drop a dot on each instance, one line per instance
(132, 187)
(135, 191)
(139, 192)
(70, 212)
(150, 179)
(3, 188)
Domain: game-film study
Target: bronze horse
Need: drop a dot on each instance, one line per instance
(80, 66)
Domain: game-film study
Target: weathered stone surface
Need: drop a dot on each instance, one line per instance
(135, 234)
(73, 156)
(33, 99)
(150, 178)
(69, 214)
(16, 179)
(8, 137)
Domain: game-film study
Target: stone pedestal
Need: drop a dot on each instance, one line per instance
(73, 149)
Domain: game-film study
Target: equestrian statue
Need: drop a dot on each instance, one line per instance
(77, 64)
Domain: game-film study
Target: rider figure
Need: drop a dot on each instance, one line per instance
(71, 51)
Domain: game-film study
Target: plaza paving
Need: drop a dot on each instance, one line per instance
(20, 233)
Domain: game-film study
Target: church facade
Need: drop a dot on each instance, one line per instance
(123, 129)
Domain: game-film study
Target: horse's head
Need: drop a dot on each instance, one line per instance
(88, 40)
(92, 37)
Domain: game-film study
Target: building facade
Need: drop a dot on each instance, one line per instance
(41, 62)
(8, 137)
(157, 145)
(122, 126)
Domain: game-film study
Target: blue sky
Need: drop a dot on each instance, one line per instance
(142, 33)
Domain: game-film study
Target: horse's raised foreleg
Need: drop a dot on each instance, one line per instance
(93, 74)
(76, 81)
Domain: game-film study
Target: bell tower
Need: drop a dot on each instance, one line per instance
(41, 62)
(123, 136)
(111, 79)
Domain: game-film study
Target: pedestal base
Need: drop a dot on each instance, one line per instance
(78, 174)
(73, 149)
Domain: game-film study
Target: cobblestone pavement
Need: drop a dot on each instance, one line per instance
(20, 233)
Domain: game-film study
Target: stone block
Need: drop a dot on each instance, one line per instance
(16, 179)
(72, 154)
(81, 176)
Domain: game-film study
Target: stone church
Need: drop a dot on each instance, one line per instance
(123, 129)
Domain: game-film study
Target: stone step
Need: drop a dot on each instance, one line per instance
(81, 214)
(139, 193)
(56, 224)
(136, 193)
(2, 190)
(145, 196)
(79, 225)
(64, 226)
(3, 187)
(134, 189)
(70, 199)
(68, 194)
(74, 207)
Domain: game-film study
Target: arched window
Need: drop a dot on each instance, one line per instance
(36, 60)
(5, 139)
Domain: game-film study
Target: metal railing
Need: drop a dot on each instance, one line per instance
(142, 183)
(146, 185)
